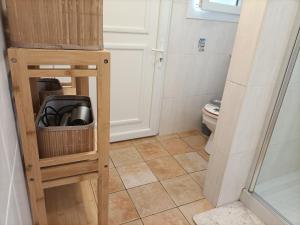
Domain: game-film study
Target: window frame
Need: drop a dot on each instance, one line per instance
(223, 8)
(195, 11)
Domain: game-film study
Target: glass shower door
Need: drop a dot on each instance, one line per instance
(278, 181)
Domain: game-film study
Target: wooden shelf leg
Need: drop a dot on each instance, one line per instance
(82, 86)
(25, 116)
(73, 82)
(103, 109)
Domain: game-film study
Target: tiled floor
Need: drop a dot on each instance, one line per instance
(153, 181)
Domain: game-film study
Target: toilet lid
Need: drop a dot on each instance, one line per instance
(212, 109)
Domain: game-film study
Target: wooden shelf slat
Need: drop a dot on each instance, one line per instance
(65, 159)
(69, 180)
(68, 170)
(62, 73)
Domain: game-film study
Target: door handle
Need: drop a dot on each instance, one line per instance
(158, 50)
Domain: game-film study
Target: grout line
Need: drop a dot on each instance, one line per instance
(94, 193)
(201, 199)
(165, 210)
(168, 194)
(110, 159)
(186, 217)
(133, 204)
(192, 203)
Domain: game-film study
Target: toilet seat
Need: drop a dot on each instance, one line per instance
(212, 110)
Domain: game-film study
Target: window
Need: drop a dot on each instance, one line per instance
(218, 10)
(224, 6)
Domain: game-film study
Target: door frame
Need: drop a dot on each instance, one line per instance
(254, 202)
(162, 39)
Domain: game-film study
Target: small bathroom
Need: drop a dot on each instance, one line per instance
(194, 106)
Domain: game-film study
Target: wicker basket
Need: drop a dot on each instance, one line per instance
(58, 24)
(64, 140)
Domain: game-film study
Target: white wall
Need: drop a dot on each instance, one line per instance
(14, 208)
(255, 67)
(283, 155)
(193, 78)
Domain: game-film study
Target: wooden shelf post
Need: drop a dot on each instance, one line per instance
(46, 173)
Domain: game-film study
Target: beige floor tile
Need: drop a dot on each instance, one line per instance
(165, 168)
(183, 189)
(151, 151)
(136, 222)
(125, 156)
(115, 183)
(188, 133)
(166, 137)
(199, 177)
(111, 164)
(203, 154)
(194, 208)
(196, 142)
(136, 175)
(170, 217)
(150, 199)
(120, 144)
(191, 162)
(71, 204)
(121, 209)
(175, 146)
(144, 140)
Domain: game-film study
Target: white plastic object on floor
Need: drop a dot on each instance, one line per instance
(231, 214)
(210, 115)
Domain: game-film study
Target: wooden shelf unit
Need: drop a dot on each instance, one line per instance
(61, 170)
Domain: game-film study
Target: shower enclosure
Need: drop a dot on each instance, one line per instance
(276, 179)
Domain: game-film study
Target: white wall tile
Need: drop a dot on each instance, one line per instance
(192, 111)
(217, 69)
(269, 52)
(7, 117)
(246, 40)
(167, 117)
(206, 73)
(14, 207)
(176, 70)
(5, 175)
(235, 176)
(193, 78)
(13, 217)
(176, 43)
(20, 192)
(196, 76)
(247, 97)
(251, 118)
(214, 176)
(229, 116)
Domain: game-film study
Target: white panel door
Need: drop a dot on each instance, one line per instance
(130, 33)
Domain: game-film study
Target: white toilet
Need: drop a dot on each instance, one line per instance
(210, 114)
